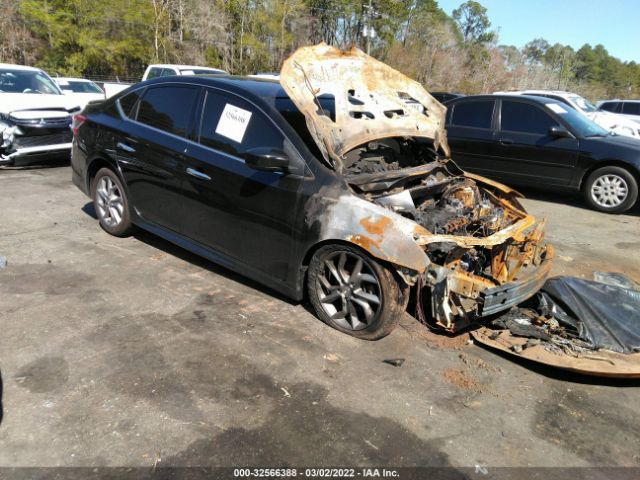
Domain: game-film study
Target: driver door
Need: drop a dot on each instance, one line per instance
(243, 213)
(523, 151)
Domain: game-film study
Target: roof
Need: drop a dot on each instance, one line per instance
(537, 92)
(19, 67)
(73, 79)
(260, 87)
(508, 96)
(183, 67)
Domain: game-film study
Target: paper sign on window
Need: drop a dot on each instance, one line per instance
(556, 108)
(233, 122)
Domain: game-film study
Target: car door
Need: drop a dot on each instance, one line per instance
(245, 214)
(151, 151)
(470, 134)
(524, 152)
(631, 110)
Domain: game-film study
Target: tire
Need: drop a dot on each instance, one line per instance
(342, 280)
(111, 204)
(611, 190)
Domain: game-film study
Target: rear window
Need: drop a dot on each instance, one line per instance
(631, 108)
(82, 87)
(128, 102)
(609, 106)
(477, 114)
(168, 108)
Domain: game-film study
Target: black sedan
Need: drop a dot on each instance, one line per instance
(540, 142)
(330, 188)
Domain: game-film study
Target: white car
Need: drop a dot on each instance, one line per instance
(627, 108)
(611, 121)
(35, 117)
(164, 70)
(80, 89)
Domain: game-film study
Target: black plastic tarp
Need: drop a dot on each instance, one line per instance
(606, 315)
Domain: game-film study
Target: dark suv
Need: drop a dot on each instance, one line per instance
(540, 142)
(329, 203)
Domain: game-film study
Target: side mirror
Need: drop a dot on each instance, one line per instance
(559, 132)
(267, 159)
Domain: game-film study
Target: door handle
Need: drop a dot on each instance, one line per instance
(124, 147)
(505, 141)
(200, 175)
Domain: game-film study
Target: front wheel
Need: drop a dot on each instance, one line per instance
(355, 294)
(611, 190)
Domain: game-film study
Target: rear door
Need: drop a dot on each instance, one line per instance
(151, 153)
(524, 152)
(470, 134)
(243, 213)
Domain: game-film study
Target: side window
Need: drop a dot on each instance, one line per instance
(521, 117)
(232, 125)
(154, 72)
(476, 114)
(609, 106)
(128, 103)
(631, 108)
(167, 72)
(168, 108)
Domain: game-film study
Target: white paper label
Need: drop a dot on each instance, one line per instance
(233, 122)
(555, 108)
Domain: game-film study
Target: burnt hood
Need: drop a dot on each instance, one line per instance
(370, 101)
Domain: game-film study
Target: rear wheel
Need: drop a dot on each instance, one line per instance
(355, 294)
(111, 204)
(611, 189)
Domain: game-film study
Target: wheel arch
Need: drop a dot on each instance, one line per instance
(632, 169)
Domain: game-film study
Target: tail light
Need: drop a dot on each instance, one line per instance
(78, 119)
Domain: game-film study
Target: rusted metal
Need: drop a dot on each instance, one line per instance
(601, 363)
(372, 100)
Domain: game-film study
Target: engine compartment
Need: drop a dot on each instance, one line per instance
(442, 200)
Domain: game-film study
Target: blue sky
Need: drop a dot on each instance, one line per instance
(613, 23)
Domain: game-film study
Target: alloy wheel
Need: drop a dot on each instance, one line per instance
(109, 202)
(349, 290)
(609, 190)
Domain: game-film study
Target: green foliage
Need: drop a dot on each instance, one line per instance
(121, 37)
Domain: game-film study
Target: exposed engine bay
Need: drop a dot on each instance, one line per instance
(406, 176)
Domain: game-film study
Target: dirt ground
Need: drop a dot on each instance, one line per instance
(131, 352)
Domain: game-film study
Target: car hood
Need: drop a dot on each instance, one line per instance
(616, 143)
(615, 122)
(12, 102)
(372, 101)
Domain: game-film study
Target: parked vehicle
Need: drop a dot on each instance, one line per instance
(81, 90)
(34, 116)
(627, 108)
(328, 187)
(537, 141)
(444, 97)
(610, 121)
(154, 71)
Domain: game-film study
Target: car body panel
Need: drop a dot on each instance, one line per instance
(370, 100)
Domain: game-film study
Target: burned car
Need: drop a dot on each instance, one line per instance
(35, 117)
(333, 184)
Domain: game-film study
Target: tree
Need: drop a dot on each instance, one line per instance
(473, 22)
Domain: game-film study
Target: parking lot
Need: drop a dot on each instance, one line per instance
(133, 352)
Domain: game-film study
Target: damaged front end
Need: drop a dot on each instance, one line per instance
(466, 238)
(484, 252)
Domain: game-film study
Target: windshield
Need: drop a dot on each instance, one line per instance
(580, 125)
(26, 81)
(583, 104)
(80, 87)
